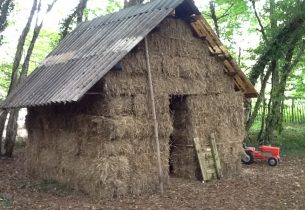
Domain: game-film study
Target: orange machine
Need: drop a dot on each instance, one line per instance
(269, 153)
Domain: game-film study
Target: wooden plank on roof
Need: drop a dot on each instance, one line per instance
(211, 50)
(229, 66)
(231, 74)
(250, 88)
(240, 83)
(209, 29)
(199, 30)
(237, 85)
(217, 48)
(225, 51)
(209, 35)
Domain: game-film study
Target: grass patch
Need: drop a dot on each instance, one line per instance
(53, 187)
(6, 201)
(291, 140)
(20, 142)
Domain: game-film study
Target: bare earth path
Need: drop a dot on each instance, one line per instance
(259, 187)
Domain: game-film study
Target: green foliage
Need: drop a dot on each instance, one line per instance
(6, 201)
(74, 18)
(53, 187)
(112, 6)
(231, 17)
(5, 76)
(296, 84)
(45, 43)
(69, 23)
(6, 6)
(291, 140)
(234, 19)
(290, 29)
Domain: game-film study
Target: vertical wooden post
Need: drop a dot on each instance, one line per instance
(292, 111)
(153, 107)
(215, 155)
(303, 113)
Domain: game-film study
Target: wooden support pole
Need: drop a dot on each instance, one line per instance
(153, 107)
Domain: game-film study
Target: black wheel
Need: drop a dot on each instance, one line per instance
(248, 159)
(272, 161)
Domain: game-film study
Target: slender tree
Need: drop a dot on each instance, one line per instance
(129, 3)
(12, 121)
(10, 129)
(273, 121)
(275, 47)
(216, 18)
(278, 43)
(6, 6)
(77, 16)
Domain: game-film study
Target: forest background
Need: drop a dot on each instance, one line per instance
(266, 37)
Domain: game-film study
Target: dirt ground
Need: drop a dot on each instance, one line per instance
(259, 187)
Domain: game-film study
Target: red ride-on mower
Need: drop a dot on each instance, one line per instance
(271, 154)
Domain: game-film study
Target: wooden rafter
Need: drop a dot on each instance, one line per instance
(216, 48)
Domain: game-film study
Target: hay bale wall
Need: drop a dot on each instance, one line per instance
(104, 144)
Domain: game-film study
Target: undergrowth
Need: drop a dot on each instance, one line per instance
(53, 187)
(6, 201)
(291, 140)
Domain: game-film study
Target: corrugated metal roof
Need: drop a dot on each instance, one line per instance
(89, 52)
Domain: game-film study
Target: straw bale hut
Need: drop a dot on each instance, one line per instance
(90, 117)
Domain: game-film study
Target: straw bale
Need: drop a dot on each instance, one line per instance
(176, 28)
(119, 170)
(125, 127)
(181, 67)
(142, 105)
(100, 105)
(221, 114)
(171, 43)
(134, 64)
(122, 85)
(104, 144)
(112, 174)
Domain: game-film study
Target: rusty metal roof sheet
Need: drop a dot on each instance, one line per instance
(89, 52)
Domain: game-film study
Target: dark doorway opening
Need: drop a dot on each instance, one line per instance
(179, 116)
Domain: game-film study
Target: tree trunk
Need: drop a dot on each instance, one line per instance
(274, 109)
(37, 29)
(12, 125)
(3, 117)
(278, 94)
(274, 47)
(20, 46)
(5, 8)
(214, 17)
(259, 99)
(263, 119)
(11, 129)
(78, 13)
(130, 3)
(11, 133)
